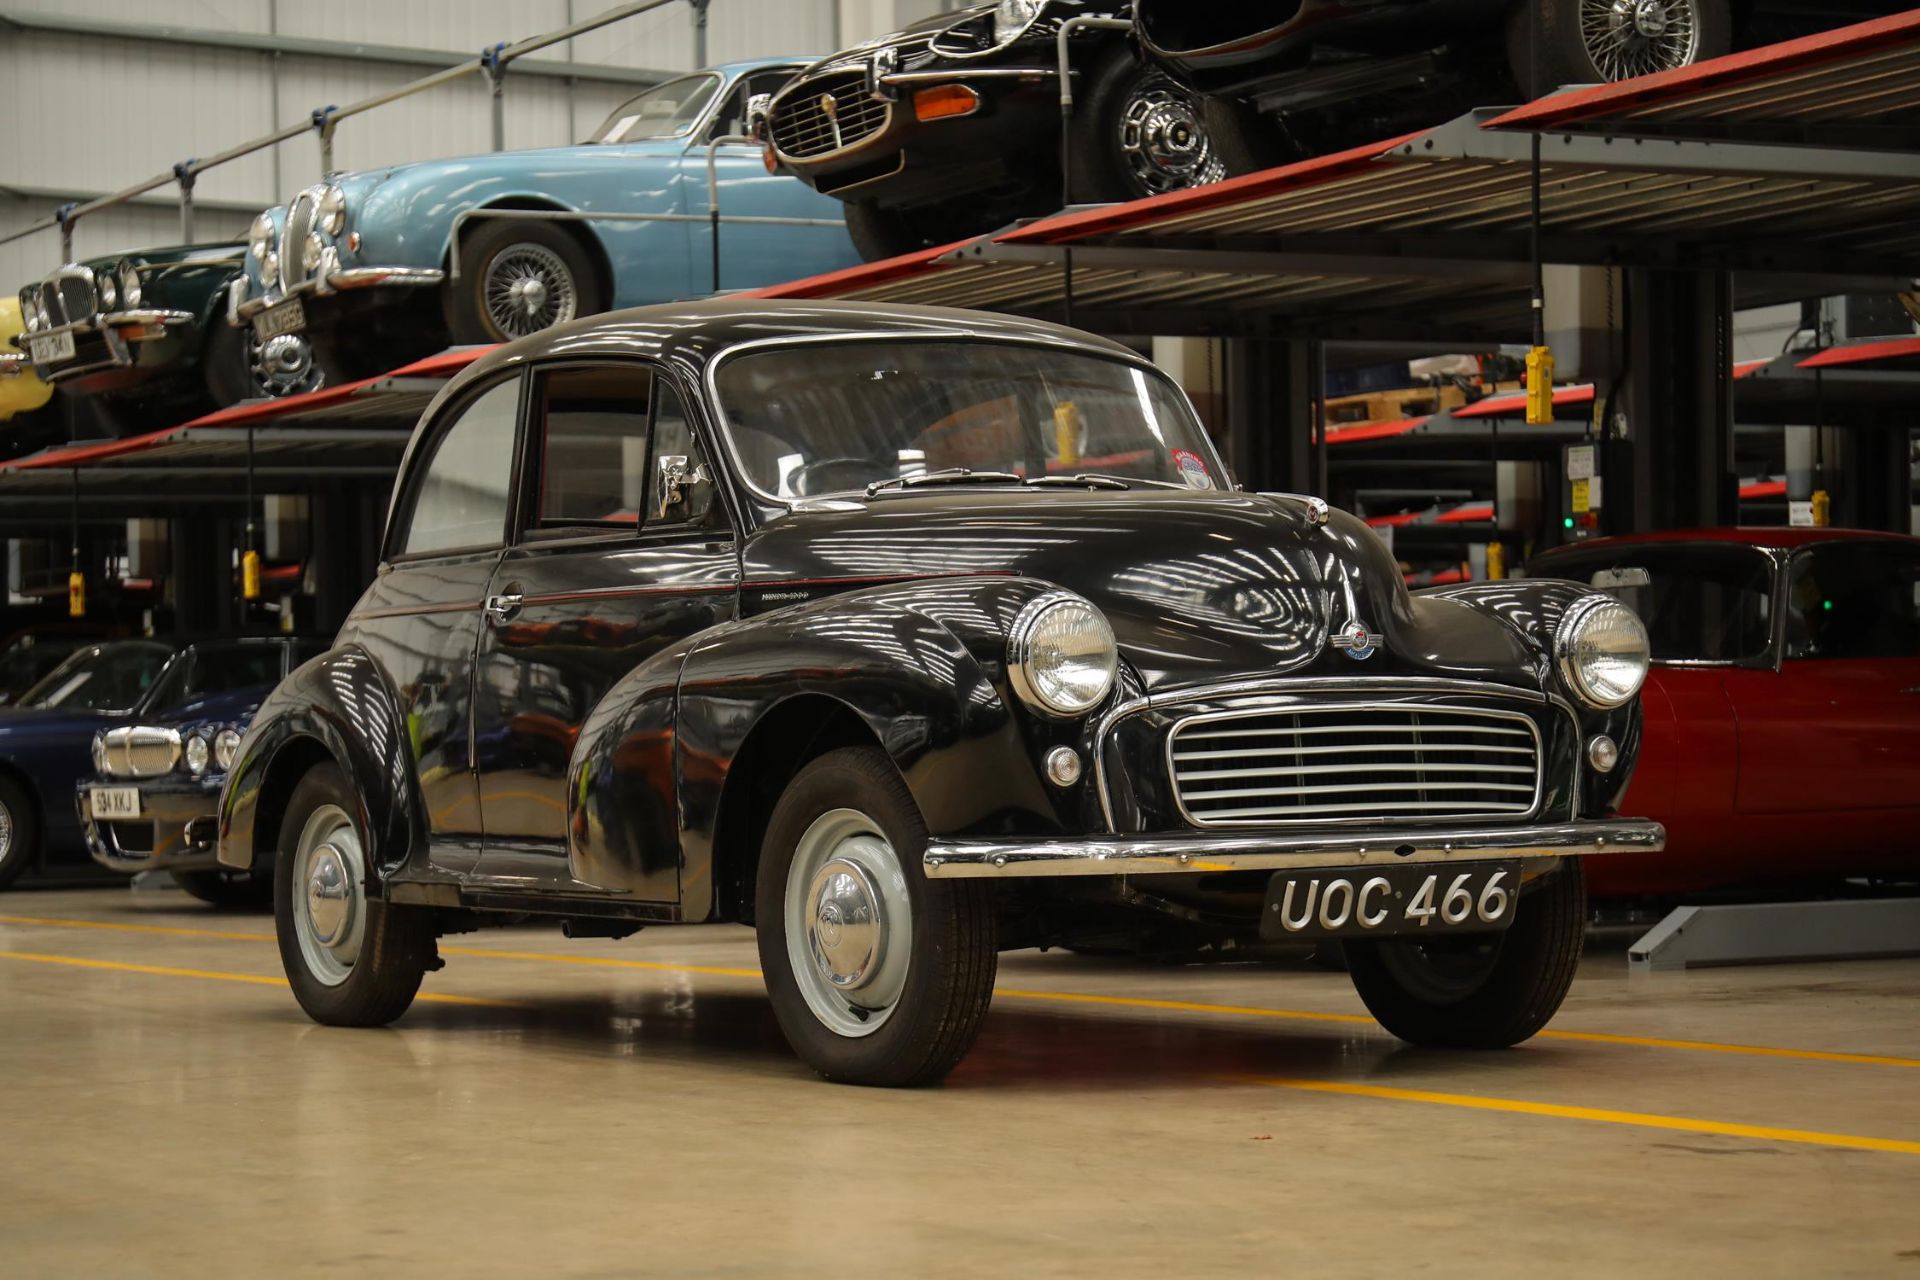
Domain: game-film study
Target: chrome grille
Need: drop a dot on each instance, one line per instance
(804, 127)
(1354, 762)
(141, 751)
(293, 239)
(73, 297)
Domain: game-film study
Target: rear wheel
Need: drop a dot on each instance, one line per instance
(1559, 42)
(225, 888)
(517, 277)
(877, 975)
(351, 959)
(19, 831)
(1479, 991)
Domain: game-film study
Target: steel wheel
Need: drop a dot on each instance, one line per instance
(1627, 38)
(529, 288)
(6, 829)
(329, 902)
(1163, 140)
(283, 365)
(1442, 971)
(849, 922)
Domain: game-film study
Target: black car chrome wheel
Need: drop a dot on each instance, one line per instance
(1479, 991)
(283, 365)
(1561, 42)
(1627, 38)
(1164, 140)
(877, 975)
(351, 959)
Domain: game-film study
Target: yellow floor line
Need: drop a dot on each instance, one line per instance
(259, 979)
(1060, 997)
(1517, 1106)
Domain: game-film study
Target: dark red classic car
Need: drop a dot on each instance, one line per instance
(1782, 713)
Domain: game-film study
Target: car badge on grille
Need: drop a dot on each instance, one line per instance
(830, 108)
(1356, 641)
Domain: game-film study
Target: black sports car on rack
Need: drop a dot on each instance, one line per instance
(909, 635)
(952, 127)
(1324, 74)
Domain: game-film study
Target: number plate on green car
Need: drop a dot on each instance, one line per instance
(1383, 902)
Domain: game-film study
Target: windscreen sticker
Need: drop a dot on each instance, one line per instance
(1192, 469)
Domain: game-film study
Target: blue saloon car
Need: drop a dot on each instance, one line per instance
(46, 739)
(392, 264)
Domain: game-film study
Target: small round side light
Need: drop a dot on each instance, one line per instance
(1063, 766)
(1603, 753)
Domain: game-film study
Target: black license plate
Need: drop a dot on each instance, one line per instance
(1383, 902)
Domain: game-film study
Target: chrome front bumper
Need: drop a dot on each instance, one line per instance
(119, 328)
(330, 281)
(1185, 854)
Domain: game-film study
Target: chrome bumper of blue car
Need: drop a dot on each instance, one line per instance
(1184, 854)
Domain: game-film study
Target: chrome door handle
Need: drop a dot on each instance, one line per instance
(501, 608)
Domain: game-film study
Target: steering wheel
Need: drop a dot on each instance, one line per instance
(831, 475)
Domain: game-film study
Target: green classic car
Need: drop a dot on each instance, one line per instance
(142, 339)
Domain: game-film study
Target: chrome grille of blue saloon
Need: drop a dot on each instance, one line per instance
(1354, 763)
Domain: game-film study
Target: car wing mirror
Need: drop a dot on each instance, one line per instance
(682, 491)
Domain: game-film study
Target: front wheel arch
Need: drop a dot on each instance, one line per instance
(580, 232)
(781, 743)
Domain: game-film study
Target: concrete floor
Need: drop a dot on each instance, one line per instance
(596, 1108)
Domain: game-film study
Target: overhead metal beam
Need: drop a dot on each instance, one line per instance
(1248, 261)
(310, 47)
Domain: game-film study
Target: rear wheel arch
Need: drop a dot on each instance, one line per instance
(783, 741)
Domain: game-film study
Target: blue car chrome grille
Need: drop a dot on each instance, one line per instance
(804, 125)
(1352, 763)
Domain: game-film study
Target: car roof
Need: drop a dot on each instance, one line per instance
(696, 332)
(1765, 539)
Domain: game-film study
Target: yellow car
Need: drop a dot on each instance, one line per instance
(21, 390)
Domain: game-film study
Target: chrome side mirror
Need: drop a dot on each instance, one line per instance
(681, 491)
(759, 107)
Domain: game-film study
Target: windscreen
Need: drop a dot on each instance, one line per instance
(1699, 602)
(217, 668)
(665, 111)
(104, 677)
(821, 418)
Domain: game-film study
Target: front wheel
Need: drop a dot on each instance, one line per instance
(240, 366)
(1560, 42)
(517, 277)
(19, 831)
(352, 960)
(1138, 133)
(877, 975)
(1479, 991)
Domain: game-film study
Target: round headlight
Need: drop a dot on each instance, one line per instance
(30, 307)
(129, 282)
(226, 745)
(260, 236)
(108, 289)
(270, 268)
(1602, 651)
(333, 211)
(197, 753)
(1061, 656)
(100, 752)
(1011, 18)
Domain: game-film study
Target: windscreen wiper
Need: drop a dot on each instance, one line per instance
(1082, 479)
(945, 475)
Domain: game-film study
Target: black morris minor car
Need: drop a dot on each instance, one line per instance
(908, 636)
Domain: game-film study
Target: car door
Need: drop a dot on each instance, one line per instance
(420, 621)
(1838, 726)
(755, 254)
(603, 576)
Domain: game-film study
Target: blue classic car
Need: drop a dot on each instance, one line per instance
(392, 264)
(154, 799)
(44, 741)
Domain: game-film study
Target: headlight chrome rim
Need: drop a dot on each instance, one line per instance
(260, 236)
(330, 213)
(107, 288)
(1576, 670)
(226, 747)
(196, 754)
(129, 274)
(1030, 678)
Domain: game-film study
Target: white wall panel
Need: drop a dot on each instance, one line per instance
(738, 30)
(465, 26)
(213, 15)
(111, 231)
(662, 38)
